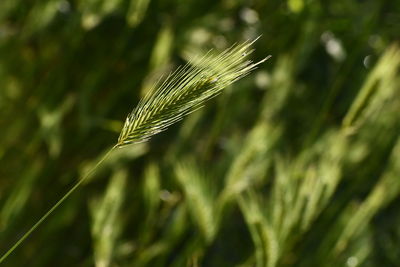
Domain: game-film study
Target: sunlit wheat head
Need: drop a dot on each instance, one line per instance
(185, 90)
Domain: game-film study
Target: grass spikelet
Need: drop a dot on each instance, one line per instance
(182, 92)
(199, 197)
(185, 90)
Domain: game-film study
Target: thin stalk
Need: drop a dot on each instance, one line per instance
(55, 206)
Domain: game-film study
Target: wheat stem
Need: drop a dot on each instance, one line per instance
(55, 206)
(181, 93)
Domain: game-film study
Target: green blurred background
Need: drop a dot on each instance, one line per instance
(298, 164)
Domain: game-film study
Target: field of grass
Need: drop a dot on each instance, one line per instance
(296, 164)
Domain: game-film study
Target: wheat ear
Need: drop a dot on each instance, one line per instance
(181, 93)
(184, 91)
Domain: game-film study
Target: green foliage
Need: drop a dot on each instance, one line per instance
(295, 165)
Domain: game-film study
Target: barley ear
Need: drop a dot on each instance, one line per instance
(184, 91)
(181, 93)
